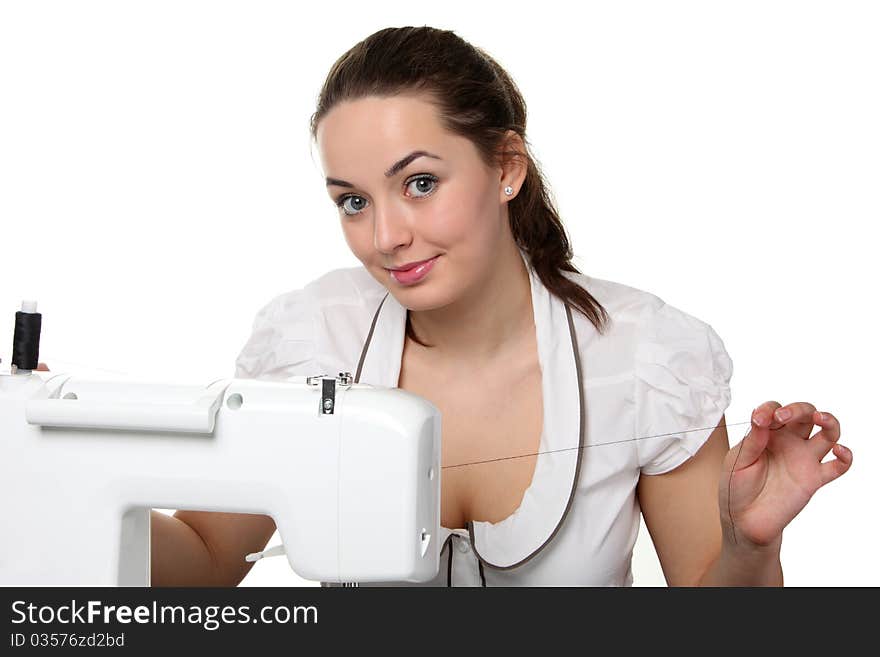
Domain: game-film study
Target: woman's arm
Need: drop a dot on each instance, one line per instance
(682, 514)
(200, 548)
(178, 555)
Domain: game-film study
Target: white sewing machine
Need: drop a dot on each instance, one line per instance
(349, 472)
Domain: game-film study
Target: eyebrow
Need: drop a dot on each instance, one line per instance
(393, 170)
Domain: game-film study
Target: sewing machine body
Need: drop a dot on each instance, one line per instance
(354, 492)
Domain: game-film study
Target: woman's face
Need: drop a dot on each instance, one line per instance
(444, 205)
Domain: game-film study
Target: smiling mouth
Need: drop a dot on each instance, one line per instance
(413, 274)
(409, 266)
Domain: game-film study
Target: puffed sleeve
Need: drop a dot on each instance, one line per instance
(682, 387)
(281, 343)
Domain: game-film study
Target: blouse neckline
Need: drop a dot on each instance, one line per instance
(525, 532)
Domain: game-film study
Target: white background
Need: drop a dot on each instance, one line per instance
(157, 186)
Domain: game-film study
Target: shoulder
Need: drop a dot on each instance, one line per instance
(628, 308)
(337, 298)
(638, 311)
(333, 291)
(668, 351)
(675, 362)
(317, 326)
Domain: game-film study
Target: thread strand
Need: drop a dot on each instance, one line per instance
(568, 449)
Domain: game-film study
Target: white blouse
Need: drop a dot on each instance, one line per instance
(640, 399)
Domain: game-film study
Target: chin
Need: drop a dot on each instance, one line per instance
(421, 297)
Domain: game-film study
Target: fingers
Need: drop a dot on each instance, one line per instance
(755, 441)
(763, 415)
(831, 470)
(772, 415)
(795, 413)
(824, 440)
(769, 416)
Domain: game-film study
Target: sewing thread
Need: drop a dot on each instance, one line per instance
(26, 340)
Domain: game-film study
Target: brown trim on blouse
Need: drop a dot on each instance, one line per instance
(357, 376)
(448, 542)
(577, 362)
(470, 524)
(449, 567)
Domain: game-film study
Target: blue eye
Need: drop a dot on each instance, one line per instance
(342, 199)
(427, 179)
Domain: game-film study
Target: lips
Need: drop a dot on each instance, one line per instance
(414, 273)
(409, 265)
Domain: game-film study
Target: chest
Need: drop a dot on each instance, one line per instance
(491, 431)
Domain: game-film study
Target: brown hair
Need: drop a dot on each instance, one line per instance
(476, 99)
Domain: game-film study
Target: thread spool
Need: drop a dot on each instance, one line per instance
(26, 338)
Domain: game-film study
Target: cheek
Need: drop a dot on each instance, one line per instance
(461, 217)
(359, 239)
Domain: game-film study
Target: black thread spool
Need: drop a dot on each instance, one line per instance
(26, 339)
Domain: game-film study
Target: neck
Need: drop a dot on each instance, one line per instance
(487, 321)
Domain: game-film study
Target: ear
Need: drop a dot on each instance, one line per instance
(513, 165)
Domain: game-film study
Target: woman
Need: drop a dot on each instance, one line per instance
(569, 403)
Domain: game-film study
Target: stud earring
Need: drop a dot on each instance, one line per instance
(508, 190)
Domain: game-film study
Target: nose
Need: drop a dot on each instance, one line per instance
(391, 229)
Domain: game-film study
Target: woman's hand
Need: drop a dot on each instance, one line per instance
(773, 472)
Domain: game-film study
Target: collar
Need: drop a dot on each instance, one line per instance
(523, 534)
